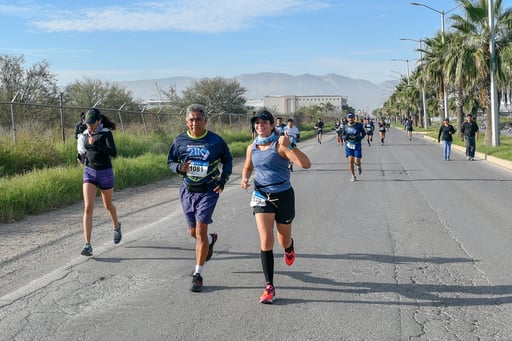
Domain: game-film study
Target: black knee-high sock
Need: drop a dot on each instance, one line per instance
(289, 248)
(267, 262)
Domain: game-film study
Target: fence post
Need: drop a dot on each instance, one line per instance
(12, 118)
(143, 120)
(62, 118)
(120, 119)
(158, 117)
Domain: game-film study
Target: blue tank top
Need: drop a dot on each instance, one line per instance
(271, 170)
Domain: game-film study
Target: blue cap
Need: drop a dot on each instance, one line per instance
(351, 115)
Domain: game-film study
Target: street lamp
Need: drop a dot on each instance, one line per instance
(438, 11)
(445, 95)
(423, 96)
(495, 112)
(398, 73)
(408, 74)
(407, 61)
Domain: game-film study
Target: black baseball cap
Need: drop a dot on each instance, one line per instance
(263, 114)
(92, 115)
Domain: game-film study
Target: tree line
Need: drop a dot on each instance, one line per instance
(35, 92)
(458, 62)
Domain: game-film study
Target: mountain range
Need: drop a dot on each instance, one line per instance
(362, 94)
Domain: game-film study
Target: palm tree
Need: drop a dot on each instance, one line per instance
(433, 67)
(506, 65)
(460, 72)
(475, 29)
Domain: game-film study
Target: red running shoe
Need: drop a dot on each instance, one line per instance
(269, 295)
(289, 257)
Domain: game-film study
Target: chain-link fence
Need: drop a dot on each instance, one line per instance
(59, 120)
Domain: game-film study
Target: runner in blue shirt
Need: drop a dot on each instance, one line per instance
(353, 134)
(196, 155)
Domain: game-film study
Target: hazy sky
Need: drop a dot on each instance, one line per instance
(119, 40)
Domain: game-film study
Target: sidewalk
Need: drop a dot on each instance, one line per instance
(492, 159)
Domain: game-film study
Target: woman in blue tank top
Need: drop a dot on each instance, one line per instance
(273, 197)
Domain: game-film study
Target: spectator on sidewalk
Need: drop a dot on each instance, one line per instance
(469, 130)
(446, 130)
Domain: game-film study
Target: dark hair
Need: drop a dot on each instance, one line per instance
(107, 122)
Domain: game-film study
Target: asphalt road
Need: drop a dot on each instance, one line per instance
(417, 249)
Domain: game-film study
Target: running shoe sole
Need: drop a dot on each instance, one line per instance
(268, 301)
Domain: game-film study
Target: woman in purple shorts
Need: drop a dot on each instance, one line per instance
(96, 147)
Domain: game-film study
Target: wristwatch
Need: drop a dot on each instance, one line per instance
(291, 146)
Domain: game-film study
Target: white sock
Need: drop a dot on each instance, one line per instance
(199, 269)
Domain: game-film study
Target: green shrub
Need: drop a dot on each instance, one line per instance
(39, 191)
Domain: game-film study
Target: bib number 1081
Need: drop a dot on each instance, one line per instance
(198, 168)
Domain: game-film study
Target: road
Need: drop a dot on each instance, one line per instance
(417, 249)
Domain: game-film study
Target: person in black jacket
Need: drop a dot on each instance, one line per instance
(446, 130)
(96, 146)
(80, 126)
(469, 132)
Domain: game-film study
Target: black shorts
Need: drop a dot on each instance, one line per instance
(281, 203)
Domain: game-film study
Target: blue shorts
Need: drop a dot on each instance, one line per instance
(357, 152)
(102, 178)
(198, 207)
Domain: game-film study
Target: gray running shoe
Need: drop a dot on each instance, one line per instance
(117, 234)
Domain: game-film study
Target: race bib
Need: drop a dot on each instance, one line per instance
(351, 145)
(198, 168)
(258, 199)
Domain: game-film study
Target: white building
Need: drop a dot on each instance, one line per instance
(291, 104)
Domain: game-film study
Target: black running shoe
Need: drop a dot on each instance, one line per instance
(87, 250)
(197, 283)
(210, 247)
